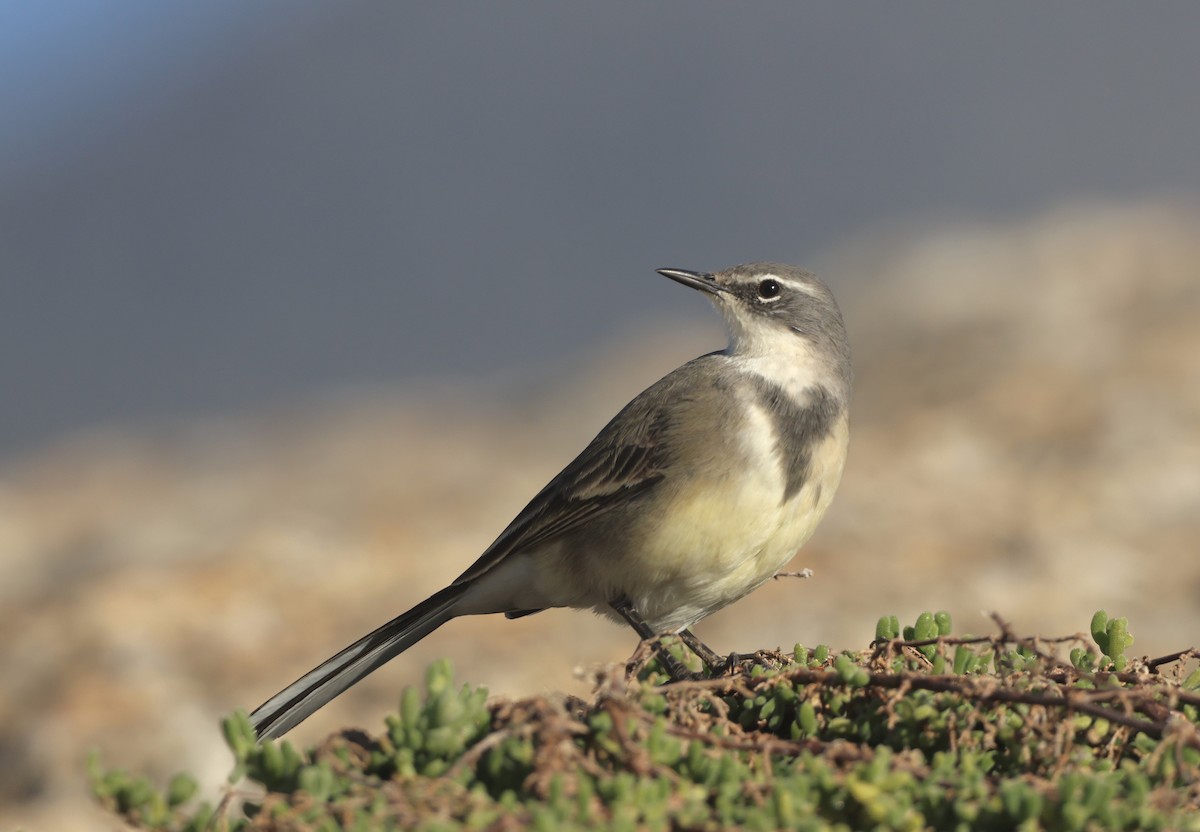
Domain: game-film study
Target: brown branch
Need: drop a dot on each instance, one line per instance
(1190, 653)
(803, 573)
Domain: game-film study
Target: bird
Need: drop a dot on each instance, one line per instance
(694, 495)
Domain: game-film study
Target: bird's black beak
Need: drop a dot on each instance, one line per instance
(697, 280)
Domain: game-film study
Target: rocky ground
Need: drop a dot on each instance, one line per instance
(1026, 439)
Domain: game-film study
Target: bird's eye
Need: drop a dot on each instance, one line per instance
(768, 289)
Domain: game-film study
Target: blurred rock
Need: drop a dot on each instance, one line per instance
(1026, 439)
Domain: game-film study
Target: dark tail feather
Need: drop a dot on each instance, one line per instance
(299, 700)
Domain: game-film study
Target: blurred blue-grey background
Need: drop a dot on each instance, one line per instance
(208, 206)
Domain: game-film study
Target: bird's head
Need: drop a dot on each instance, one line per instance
(774, 309)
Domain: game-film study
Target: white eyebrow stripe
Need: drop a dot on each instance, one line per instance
(807, 288)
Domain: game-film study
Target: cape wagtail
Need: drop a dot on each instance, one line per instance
(693, 496)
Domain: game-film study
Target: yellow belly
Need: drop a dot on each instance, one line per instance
(719, 539)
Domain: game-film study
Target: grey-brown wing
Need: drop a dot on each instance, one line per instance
(625, 459)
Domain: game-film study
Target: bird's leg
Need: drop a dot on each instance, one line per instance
(714, 662)
(675, 668)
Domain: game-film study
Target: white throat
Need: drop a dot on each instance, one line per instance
(784, 358)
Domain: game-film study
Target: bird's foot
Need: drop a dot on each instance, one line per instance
(719, 665)
(737, 662)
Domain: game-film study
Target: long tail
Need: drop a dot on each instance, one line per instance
(299, 700)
